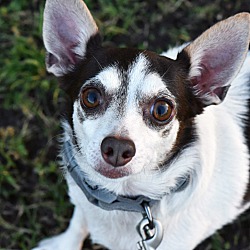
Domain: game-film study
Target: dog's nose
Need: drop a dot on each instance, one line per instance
(117, 152)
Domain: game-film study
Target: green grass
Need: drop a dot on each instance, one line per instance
(33, 194)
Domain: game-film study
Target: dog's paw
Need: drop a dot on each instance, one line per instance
(60, 242)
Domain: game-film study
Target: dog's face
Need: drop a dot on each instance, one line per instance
(117, 110)
(133, 112)
(126, 114)
(126, 117)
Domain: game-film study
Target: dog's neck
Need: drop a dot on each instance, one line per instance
(108, 200)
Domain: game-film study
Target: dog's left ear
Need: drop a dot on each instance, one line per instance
(67, 28)
(217, 56)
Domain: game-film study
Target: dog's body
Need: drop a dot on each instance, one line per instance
(160, 110)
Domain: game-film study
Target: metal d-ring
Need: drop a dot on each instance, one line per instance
(150, 231)
(148, 215)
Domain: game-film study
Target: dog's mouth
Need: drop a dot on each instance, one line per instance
(114, 172)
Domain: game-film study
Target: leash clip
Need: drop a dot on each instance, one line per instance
(150, 231)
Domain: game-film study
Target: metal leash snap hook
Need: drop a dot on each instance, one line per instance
(150, 230)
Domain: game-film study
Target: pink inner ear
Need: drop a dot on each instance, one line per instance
(216, 69)
(68, 26)
(68, 38)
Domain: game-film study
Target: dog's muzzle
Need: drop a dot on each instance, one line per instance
(102, 197)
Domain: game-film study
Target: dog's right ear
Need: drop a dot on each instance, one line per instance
(67, 28)
(217, 56)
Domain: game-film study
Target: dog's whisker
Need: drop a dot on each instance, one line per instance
(97, 62)
(162, 76)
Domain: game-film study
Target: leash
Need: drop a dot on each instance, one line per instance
(149, 229)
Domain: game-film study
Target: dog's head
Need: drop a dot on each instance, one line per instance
(133, 112)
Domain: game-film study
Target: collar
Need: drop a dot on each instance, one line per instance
(102, 197)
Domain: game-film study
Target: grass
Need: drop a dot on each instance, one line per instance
(33, 194)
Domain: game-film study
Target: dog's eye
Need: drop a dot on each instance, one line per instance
(91, 98)
(162, 111)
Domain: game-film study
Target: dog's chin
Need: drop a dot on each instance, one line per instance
(112, 172)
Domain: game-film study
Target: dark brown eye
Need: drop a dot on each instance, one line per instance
(162, 111)
(91, 98)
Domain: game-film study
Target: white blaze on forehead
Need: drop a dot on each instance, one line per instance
(143, 81)
(152, 85)
(110, 78)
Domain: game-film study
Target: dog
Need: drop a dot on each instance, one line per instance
(155, 147)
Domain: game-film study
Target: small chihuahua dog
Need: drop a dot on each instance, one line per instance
(155, 147)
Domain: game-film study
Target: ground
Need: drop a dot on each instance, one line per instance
(33, 193)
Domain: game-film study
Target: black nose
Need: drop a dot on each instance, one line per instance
(117, 152)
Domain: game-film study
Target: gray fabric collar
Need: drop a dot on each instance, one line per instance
(102, 197)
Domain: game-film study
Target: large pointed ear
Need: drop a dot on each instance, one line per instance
(217, 56)
(67, 28)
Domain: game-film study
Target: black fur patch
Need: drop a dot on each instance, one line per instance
(246, 198)
(188, 106)
(185, 138)
(97, 58)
